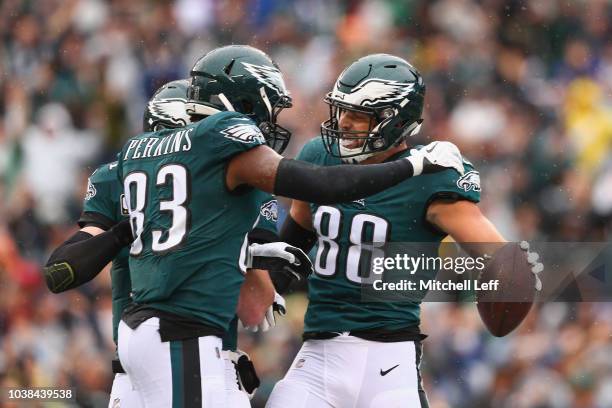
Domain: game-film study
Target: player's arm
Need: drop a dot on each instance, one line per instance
(296, 231)
(282, 261)
(263, 168)
(464, 222)
(256, 296)
(82, 256)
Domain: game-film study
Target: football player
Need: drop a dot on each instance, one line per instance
(190, 198)
(357, 353)
(83, 256)
(80, 258)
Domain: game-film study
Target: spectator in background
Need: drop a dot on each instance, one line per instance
(54, 153)
(588, 122)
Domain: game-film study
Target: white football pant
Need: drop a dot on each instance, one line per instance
(187, 373)
(347, 371)
(123, 394)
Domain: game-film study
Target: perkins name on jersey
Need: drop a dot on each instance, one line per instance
(159, 145)
(436, 285)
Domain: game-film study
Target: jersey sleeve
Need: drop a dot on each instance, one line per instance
(449, 184)
(311, 151)
(100, 204)
(231, 133)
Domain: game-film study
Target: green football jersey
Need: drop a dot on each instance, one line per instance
(189, 228)
(103, 207)
(394, 215)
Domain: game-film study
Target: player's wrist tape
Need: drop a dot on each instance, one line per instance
(343, 183)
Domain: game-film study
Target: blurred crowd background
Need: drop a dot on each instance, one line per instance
(524, 89)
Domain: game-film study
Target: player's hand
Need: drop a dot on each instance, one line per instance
(279, 256)
(248, 381)
(269, 321)
(435, 157)
(532, 260)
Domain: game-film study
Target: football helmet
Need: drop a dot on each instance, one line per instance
(243, 79)
(387, 89)
(166, 108)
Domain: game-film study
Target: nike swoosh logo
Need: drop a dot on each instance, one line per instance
(383, 373)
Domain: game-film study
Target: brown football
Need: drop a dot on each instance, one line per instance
(504, 309)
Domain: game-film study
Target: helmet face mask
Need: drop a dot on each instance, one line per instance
(242, 79)
(277, 137)
(369, 142)
(387, 89)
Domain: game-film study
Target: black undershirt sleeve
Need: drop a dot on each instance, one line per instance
(95, 219)
(294, 234)
(262, 236)
(343, 183)
(83, 256)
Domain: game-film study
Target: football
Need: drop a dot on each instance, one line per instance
(503, 309)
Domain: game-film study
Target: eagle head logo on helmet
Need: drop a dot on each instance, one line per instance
(170, 110)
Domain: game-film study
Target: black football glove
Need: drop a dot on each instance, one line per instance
(248, 381)
(279, 256)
